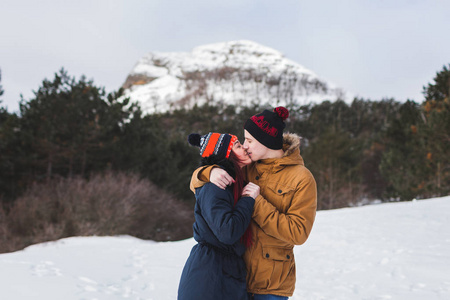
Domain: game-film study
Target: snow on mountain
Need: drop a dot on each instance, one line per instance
(398, 251)
(237, 72)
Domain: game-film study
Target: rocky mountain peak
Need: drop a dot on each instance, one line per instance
(236, 72)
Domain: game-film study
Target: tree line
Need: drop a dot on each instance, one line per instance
(358, 152)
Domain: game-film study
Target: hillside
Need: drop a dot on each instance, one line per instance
(237, 72)
(386, 251)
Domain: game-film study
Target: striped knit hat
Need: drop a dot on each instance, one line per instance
(219, 144)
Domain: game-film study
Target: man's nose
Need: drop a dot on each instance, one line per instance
(245, 145)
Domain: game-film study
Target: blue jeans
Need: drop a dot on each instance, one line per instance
(267, 297)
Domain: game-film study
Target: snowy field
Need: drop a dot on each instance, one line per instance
(387, 251)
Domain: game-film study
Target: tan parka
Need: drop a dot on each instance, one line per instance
(283, 216)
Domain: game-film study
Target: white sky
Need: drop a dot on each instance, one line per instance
(373, 49)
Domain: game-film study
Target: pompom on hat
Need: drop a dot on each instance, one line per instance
(218, 144)
(267, 127)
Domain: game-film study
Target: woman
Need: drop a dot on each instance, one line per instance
(215, 268)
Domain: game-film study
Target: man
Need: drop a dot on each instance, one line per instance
(285, 210)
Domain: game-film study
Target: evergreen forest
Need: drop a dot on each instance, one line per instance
(72, 133)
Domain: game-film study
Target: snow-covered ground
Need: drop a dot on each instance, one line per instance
(386, 251)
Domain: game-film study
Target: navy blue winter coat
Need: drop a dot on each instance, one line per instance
(215, 268)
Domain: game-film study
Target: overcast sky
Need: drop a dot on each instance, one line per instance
(373, 49)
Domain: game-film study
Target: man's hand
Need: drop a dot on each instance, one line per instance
(220, 177)
(251, 190)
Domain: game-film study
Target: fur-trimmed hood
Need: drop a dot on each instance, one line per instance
(291, 148)
(291, 142)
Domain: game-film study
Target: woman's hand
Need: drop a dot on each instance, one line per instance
(220, 177)
(251, 190)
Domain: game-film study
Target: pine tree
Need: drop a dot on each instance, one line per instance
(440, 90)
(10, 150)
(435, 133)
(401, 161)
(70, 127)
(416, 162)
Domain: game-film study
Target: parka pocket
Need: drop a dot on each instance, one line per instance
(276, 253)
(234, 268)
(280, 195)
(279, 189)
(233, 283)
(282, 264)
